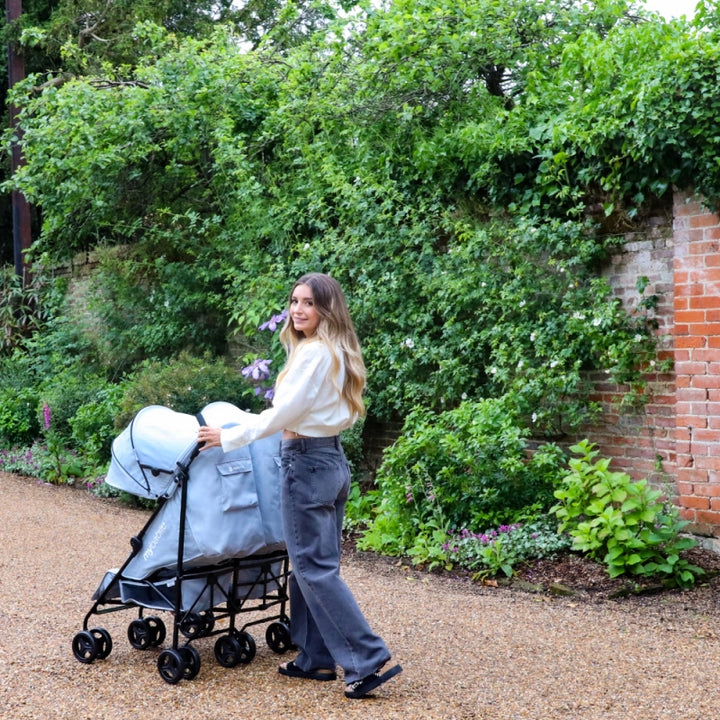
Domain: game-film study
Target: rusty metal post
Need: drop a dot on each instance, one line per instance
(22, 236)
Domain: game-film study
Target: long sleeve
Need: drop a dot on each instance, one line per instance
(307, 401)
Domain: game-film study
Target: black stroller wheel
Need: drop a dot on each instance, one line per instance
(140, 634)
(191, 661)
(103, 642)
(277, 637)
(85, 647)
(230, 650)
(227, 651)
(171, 667)
(156, 627)
(247, 646)
(195, 625)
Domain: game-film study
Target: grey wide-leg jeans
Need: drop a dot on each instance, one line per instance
(326, 622)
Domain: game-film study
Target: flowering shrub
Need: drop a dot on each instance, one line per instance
(22, 461)
(258, 372)
(465, 468)
(52, 464)
(502, 549)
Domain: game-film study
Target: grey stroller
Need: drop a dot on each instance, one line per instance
(211, 550)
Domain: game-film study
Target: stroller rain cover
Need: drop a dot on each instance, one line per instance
(233, 500)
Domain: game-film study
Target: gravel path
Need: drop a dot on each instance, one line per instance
(469, 653)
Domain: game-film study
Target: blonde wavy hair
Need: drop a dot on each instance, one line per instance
(336, 330)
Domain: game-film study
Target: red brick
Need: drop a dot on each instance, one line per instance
(687, 514)
(704, 220)
(708, 302)
(690, 290)
(693, 394)
(708, 516)
(692, 475)
(692, 501)
(709, 462)
(691, 368)
(686, 237)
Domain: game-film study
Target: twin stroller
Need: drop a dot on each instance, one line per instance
(211, 550)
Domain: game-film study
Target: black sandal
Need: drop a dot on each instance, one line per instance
(360, 688)
(292, 670)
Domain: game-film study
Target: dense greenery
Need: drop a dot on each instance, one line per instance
(464, 169)
(625, 524)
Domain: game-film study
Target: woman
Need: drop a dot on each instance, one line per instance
(317, 394)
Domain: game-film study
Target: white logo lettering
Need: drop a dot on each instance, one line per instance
(154, 543)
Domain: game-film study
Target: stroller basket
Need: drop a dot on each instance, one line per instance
(208, 553)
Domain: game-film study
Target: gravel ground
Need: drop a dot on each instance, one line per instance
(469, 652)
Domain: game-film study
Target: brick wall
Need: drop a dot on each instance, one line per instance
(697, 363)
(641, 441)
(674, 440)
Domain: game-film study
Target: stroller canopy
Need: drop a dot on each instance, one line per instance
(145, 455)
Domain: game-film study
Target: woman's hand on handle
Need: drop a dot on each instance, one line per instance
(210, 436)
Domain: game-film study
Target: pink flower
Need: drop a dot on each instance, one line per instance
(46, 414)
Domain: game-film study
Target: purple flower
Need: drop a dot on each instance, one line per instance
(46, 414)
(274, 321)
(259, 369)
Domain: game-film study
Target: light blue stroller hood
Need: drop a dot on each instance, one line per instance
(233, 501)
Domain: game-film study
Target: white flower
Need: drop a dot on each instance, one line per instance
(520, 364)
(493, 370)
(532, 336)
(534, 417)
(522, 303)
(596, 322)
(578, 316)
(409, 343)
(638, 338)
(464, 396)
(307, 246)
(553, 363)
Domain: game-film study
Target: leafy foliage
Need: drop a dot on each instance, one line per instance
(465, 468)
(185, 384)
(387, 159)
(464, 168)
(500, 551)
(22, 309)
(621, 522)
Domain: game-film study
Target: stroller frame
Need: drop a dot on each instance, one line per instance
(256, 583)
